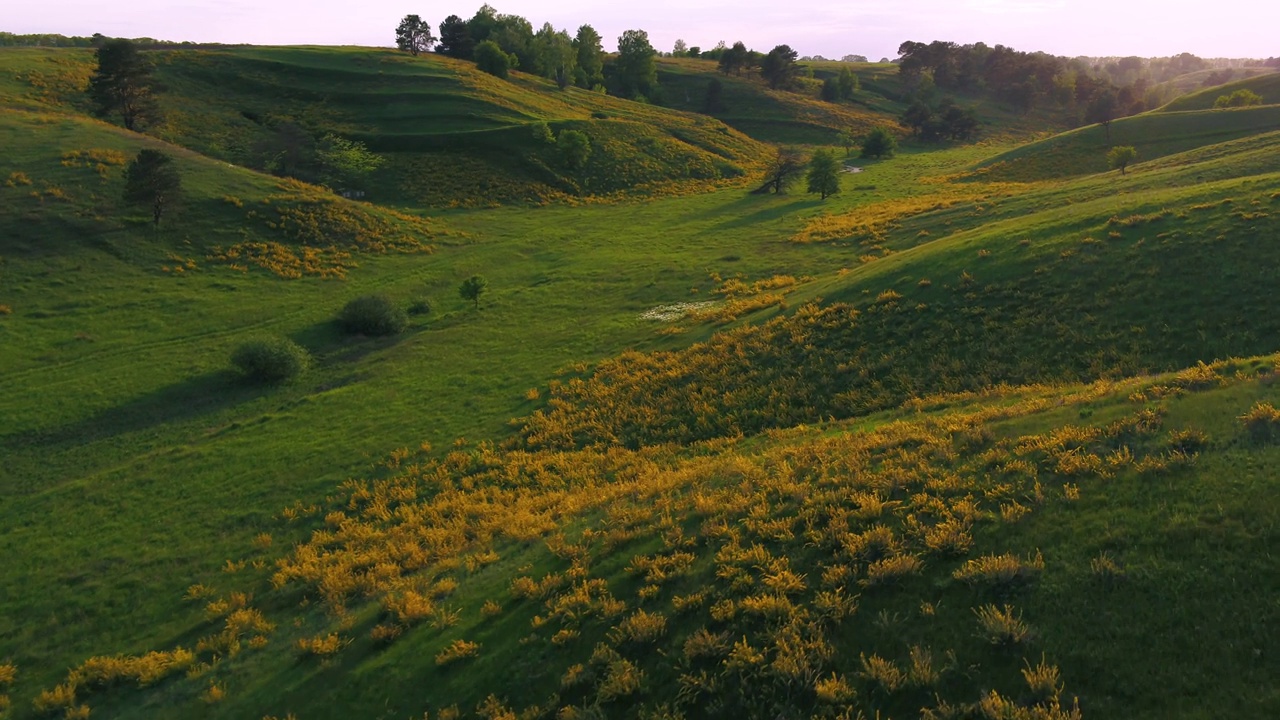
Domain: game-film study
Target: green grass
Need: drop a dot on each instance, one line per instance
(1154, 135)
(1267, 85)
(135, 465)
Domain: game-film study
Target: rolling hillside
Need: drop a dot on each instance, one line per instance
(949, 444)
(1267, 85)
(1153, 135)
(452, 135)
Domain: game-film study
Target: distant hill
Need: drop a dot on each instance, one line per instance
(1154, 135)
(1267, 85)
(452, 135)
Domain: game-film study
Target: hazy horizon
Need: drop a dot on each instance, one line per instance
(1087, 27)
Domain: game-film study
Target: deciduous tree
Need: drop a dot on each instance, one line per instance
(1102, 109)
(590, 71)
(151, 180)
(824, 174)
(785, 168)
(848, 83)
(554, 55)
(345, 163)
(574, 147)
(878, 143)
(1120, 156)
(122, 84)
(472, 288)
(492, 59)
(1240, 98)
(414, 35)
(636, 71)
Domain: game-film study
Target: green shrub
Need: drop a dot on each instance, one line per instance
(372, 315)
(421, 306)
(270, 360)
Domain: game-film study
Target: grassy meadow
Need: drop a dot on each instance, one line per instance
(988, 434)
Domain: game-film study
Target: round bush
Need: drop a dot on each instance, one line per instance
(372, 315)
(271, 360)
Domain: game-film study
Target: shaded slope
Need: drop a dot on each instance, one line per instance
(1154, 135)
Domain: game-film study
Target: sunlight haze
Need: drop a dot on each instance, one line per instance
(1088, 27)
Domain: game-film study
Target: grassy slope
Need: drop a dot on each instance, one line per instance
(1154, 135)
(143, 462)
(452, 135)
(1267, 85)
(801, 117)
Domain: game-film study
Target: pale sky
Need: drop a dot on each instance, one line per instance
(1148, 28)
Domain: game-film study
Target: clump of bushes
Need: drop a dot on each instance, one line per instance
(372, 315)
(270, 360)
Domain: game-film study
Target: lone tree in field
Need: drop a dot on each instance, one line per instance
(824, 174)
(414, 35)
(879, 143)
(472, 288)
(784, 170)
(1120, 156)
(122, 84)
(152, 181)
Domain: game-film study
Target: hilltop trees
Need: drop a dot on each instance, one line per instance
(554, 55)
(733, 60)
(590, 71)
(824, 174)
(455, 39)
(122, 84)
(414, 35)
(635, 70)
(779, 67)
(152, 181)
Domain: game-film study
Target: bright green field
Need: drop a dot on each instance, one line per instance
(135, 464)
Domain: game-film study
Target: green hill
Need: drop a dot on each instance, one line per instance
(1267, 85)
(452, 135)
(800, 116)
(940, 445)
(1154, 135)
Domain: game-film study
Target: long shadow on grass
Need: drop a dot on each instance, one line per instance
(766, 208)
(168, 405)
